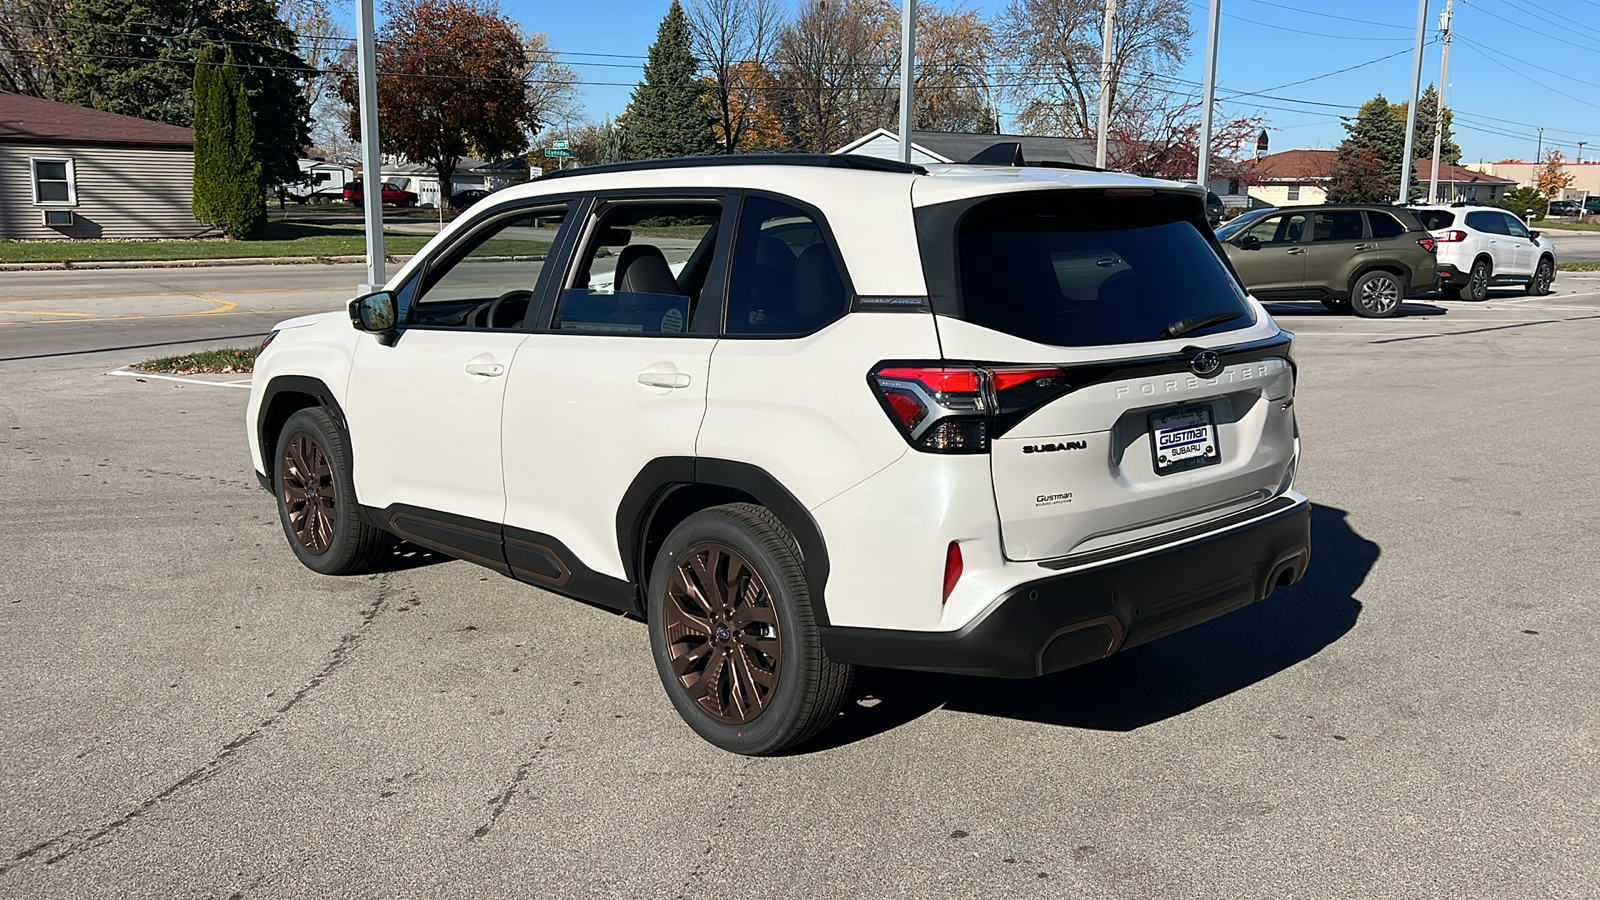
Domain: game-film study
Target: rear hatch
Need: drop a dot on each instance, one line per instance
(1132, 388)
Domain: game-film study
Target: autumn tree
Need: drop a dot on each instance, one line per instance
(137, 58)
(1553, 177)
(668, 114)
(952, 88)
(1427, 112)
(31, 47)
(1366, 165)
(837, 64)
(1053, 50)
(734, 41)
(457, 78)
(1162, 140)
(757, 125)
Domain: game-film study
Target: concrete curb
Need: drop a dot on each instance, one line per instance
(194, 263)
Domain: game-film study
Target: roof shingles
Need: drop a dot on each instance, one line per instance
(31, 120)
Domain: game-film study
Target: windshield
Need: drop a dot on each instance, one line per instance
(1085, 268)
(1231, 227)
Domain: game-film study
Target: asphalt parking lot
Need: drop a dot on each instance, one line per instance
(190, 713)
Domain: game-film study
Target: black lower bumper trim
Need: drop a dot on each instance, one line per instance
(1067, 620)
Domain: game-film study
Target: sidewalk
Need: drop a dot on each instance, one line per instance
(399, 259)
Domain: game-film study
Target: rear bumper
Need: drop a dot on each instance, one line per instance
(1066, 620)
(1449, 274)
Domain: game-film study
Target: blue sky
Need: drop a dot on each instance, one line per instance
(1516, 65)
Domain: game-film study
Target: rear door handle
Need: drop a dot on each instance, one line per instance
(665, 379)
(1296, 251)
(487, 370)
(1366, 246)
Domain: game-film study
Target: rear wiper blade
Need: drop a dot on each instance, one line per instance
(1195, 323)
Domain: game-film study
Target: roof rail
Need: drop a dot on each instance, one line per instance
(814, 160)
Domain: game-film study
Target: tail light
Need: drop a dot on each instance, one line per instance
(1428, 244)
(1453, 236)
(943, 408)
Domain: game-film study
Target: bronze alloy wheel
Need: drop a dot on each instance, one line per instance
(722, 633)
(309, 494)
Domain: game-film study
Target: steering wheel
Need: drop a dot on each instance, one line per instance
(494, 308)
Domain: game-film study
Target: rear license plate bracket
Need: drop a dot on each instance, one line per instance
(1184, 438)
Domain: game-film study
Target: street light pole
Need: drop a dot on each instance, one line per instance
(1409, 159)
(371, 163)
(1208, 97)
(1444, 82)
(908, 51)
(1580, 150)
(1107, 34)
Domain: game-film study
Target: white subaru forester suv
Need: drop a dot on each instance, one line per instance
(800, 413)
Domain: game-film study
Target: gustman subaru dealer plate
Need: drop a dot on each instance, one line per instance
(1184, 438)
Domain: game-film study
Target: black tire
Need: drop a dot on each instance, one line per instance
(312, 461)
(1477, 286)
(1543, 277)
(805, 689)
(1377, 294)
(1338, 306)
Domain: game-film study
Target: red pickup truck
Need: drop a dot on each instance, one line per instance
(391, 194)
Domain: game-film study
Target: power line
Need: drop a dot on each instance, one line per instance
(1534, 31)
(1535, 12)
(1337, 37)
(1484, 52)
(1309, 12)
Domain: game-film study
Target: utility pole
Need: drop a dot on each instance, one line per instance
(1409, 159)
(1107, 34)
(1580, 150)
(371, 163)
(1537, 157)
(1438, 113)
(1208, 97)
(908, 51)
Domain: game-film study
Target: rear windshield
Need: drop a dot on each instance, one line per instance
(1083, 268)
(1435, 219)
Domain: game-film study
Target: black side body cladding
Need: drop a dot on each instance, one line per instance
(1067, 620)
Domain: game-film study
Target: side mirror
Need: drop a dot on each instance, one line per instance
(1249, 242)
(375, 314)
(1533, 235)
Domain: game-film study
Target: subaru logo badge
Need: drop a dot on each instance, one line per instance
(1204, 363)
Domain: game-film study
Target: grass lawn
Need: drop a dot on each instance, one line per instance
(1580, 265)
(1567, 226)
(278, 239)
(235, 359)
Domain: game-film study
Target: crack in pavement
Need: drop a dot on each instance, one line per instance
(697, 872)
(212, 767)
(498, 805)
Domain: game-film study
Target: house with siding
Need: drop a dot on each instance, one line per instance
(1302, 177)
(71, 172)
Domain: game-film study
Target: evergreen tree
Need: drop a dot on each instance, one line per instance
(1366, 167)
(1427, 105)
(228, 192)
(668, 115)
(137, 58)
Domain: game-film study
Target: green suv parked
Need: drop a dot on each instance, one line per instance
(1361, 258)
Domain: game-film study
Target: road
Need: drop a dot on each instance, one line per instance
(1575, 245)
(190, 713)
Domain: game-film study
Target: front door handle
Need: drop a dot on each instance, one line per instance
(487, 370)
(665, 379)
(1296, 251)
(1366, 246)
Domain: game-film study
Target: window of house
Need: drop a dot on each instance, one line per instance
(53, 182)
(1294, 192)
(1233, 186)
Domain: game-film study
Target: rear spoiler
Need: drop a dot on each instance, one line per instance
(1009, 153)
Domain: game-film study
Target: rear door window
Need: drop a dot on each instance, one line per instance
(1487, 222)
(1336, 225)
(1080, 268)
(785, 278)
(641, 269)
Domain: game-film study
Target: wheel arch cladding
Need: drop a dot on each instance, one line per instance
(670, 489)
(284, 396)
(1393, 268)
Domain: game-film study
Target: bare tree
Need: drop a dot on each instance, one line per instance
(30, 47)
(1053, 48)
(322, 47)
(734, 41)
(837, 68)
(953, 89)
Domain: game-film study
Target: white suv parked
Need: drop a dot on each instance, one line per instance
(799, 413)
(1482, 246)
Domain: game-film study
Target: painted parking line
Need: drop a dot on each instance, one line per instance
(128, 373)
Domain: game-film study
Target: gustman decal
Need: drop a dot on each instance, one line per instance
(1055, 448)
